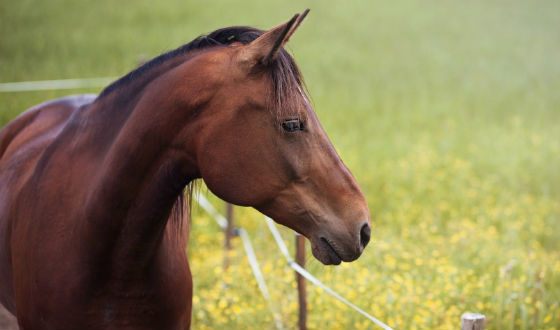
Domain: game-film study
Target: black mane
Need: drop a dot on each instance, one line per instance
(285, 74)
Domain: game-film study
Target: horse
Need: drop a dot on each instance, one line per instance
(93, 219)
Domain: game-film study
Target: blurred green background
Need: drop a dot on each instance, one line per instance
(447, 112)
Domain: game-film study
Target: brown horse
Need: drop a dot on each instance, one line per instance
(88, 185)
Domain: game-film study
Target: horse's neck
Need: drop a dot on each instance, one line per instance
(141, 173)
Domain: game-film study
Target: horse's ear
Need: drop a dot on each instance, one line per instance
(265, 48)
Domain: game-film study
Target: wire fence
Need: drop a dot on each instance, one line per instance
(222, 223)
(43, 85)
(295, 266)
(249, 251)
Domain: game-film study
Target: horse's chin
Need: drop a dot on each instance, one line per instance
(323, 252)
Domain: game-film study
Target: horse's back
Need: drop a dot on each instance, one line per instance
(38, 125)
(22, 142)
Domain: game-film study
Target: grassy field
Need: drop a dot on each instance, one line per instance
(447, 112)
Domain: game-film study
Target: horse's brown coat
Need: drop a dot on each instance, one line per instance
(88, 184)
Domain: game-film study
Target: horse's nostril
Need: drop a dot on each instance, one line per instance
(365, 234)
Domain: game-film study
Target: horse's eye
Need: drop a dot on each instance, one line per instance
(292, 125)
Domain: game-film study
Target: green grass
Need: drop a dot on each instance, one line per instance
(448, 114)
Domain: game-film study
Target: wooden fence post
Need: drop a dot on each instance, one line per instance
(228, 234)
(302, 296)
(472, 321)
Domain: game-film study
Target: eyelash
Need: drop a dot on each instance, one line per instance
(293, 125)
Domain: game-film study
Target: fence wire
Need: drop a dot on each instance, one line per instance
(295, 266)
(222, 222)
(249, 251)
(43, 85)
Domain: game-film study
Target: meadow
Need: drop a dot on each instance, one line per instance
(447, 113)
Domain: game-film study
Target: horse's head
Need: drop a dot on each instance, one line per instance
(260, 144)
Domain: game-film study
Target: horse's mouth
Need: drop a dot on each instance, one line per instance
(335, 258)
